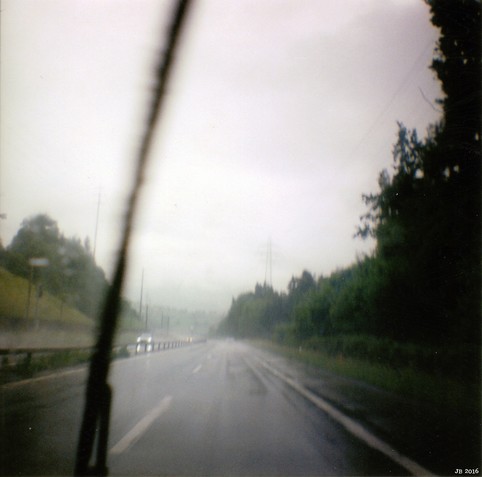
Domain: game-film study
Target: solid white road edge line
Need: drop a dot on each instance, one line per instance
(350, 425)
(62, 373)
(141, 427)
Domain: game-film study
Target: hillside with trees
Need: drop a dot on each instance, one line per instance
(71, 276)
(420, 288)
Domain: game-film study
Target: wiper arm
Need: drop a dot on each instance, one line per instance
(98, 393)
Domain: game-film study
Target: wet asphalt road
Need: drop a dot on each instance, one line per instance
(207, 409)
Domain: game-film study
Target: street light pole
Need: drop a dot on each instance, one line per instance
(38, 294)
(34, 263)
(27, 310)
(142, 289)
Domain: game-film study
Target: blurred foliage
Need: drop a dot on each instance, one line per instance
(254, 314)
(72, 276)
(426, 215)
(13, 300)
(450, 394)
(415, 301)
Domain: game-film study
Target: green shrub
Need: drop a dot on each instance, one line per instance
(454, 361)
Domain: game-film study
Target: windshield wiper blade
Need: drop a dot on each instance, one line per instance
(98, 393)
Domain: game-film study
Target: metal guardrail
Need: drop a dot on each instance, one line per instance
(154, 346)
(20, 363)
(16, 351)
(162, 345)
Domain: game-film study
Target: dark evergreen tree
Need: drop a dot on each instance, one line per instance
(458, 157)
(426, 217)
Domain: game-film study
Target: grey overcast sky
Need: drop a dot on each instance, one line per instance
(280, 114)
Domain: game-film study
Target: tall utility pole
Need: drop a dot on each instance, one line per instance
(268, 264)
(96, 226)
(34, 263)
(142, 289)
(98, 398)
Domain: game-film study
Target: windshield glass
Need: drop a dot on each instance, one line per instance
(303, 259)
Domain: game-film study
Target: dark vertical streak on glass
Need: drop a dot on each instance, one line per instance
(97, 400)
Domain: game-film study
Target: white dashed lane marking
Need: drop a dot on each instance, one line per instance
(142, 426)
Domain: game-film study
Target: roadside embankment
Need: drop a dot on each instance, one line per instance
(436, 432)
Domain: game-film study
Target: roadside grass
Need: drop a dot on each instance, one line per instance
(50, 311)
(409, 382)
(31, 364)
(53, 324)
(14, 297)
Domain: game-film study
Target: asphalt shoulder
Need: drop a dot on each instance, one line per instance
(441, 439)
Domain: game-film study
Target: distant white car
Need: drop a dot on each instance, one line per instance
(145, 342)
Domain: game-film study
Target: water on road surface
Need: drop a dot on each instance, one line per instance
(207, 409)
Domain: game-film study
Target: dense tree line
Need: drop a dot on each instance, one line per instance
(426, 216)
(255, 313)
(312, 307)
(422, 283)
(72, 274)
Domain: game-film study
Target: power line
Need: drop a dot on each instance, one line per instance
(392, 99)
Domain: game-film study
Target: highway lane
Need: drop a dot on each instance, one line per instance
(38, 424)
(207, 409)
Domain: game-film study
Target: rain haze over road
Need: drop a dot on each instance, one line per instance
(279, 116)
(205, 409)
